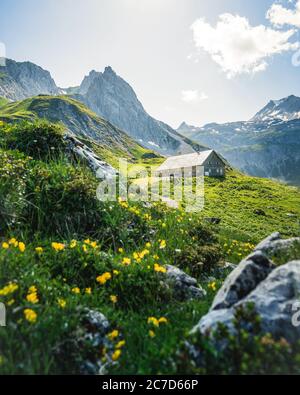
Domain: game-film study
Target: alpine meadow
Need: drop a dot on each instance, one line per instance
(129, 245)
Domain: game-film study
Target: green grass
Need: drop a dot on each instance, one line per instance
(47, 197)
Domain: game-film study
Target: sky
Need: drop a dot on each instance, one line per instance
(196, 61)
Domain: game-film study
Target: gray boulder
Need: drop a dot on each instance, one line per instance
(242, 280)
(274, 291)
(274, 245)
(185, 286)
(274, 298)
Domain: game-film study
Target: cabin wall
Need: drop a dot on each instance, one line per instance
(214, 166)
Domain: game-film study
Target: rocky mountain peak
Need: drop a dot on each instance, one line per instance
(20, 80)
(285, 109)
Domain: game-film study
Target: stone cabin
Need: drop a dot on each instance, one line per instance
(214, 165)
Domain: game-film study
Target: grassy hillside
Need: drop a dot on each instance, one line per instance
(62, 252)
(109, 141)
(3, 101)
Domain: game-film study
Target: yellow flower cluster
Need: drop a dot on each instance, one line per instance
(9, 289)
(113, 299)
(62, 303)
(30, 315)
(121, 343)
(212, 286)
(58, 246)
(138, 256)
(159, 269)
(32, 295)
(103, 278)
(157, 321)
(90, 243)
(76, 290)
(14, 243)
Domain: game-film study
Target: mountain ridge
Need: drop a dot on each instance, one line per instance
(107, 94)
(268, 145)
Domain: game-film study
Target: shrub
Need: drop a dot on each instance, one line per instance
(247, 351)
(40, 139)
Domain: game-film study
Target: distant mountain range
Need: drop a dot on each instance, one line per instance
(268, 145)
(107, 94)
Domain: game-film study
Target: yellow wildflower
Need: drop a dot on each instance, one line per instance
(163, 320)
(94, 244)
(5, 245)
(11, 302)
(113, 335)
(32, 298)
(84, 247)
(39, 250)
(30, 315)
(62, 303)
(12, 241)
(159, 269)
(113, 298)
(126, 261)
(148, 245)
(88, 291)
(116, 355)
(121, 250)
(163, 244)
(212, 286)
(76, 290)
(151, 334)
(73, 244)
(8, 289)
(153, 320)
(58, 246)
(116, 272)
(103, 278)
(120, 344)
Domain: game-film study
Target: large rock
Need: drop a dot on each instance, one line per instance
(274, 292)
(184, 286)
(274, 300)
(274, 245)
(242, 280)
(100, 168)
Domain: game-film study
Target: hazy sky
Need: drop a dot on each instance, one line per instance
(194, 60)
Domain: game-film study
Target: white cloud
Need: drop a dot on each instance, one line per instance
(237, 46)
(281, 16)
(192, 96)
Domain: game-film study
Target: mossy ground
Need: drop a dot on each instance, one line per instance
(58, 240)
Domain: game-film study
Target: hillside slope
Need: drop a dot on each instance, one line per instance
(96, 277)
(111, 142)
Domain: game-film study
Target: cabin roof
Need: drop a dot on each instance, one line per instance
(189, 160)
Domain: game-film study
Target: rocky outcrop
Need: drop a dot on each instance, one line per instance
(19, 80)
(185, 287)
(274, 291)
(100, 168)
